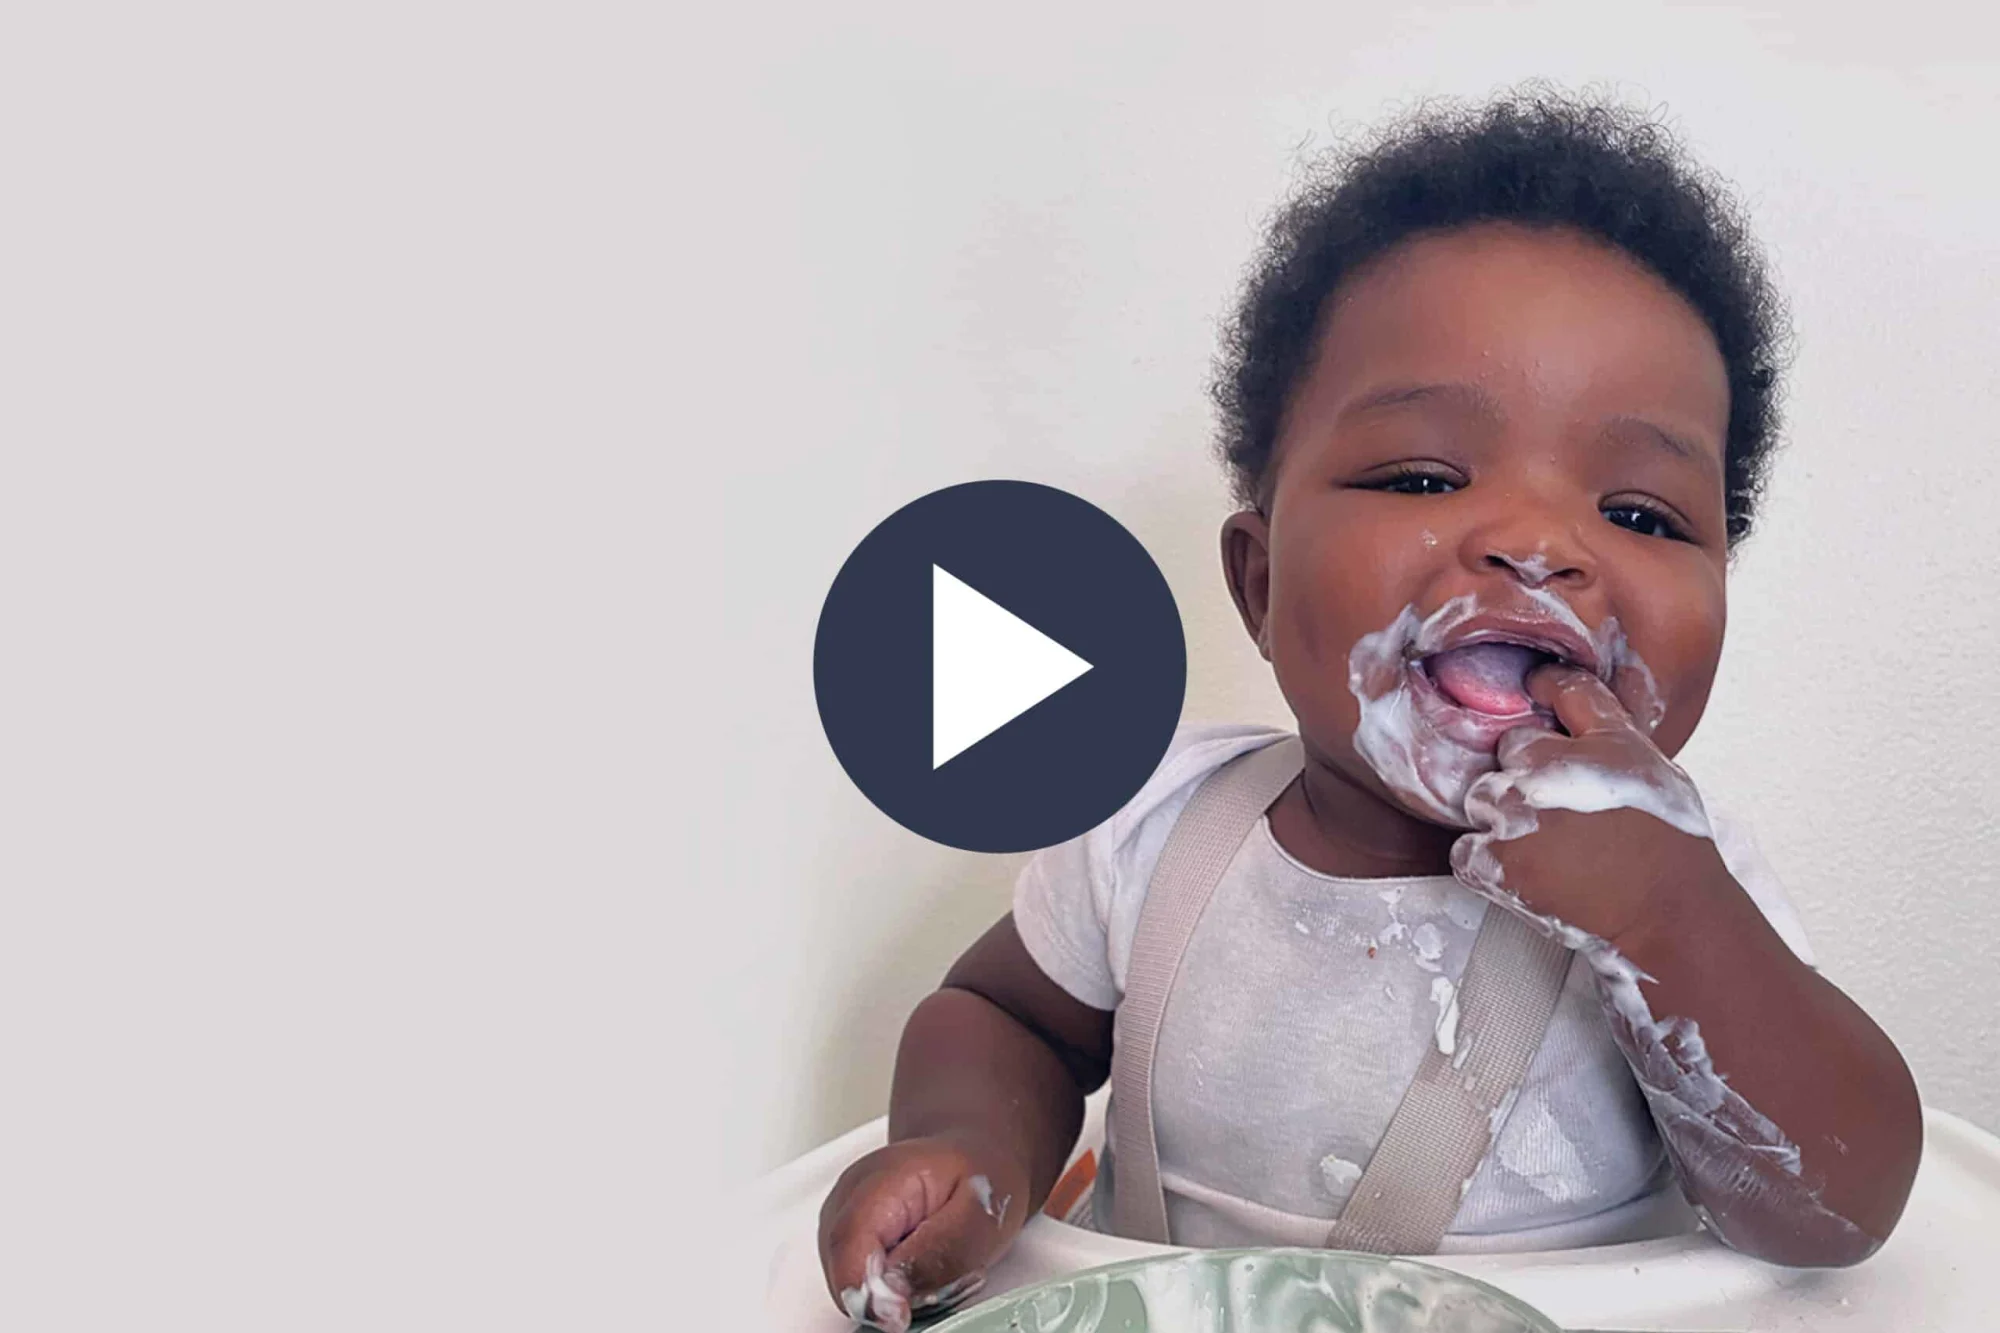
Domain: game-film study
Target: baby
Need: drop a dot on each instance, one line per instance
(1497, 404)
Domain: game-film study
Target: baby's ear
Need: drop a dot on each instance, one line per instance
(1246, 565)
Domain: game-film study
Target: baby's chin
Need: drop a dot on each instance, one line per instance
(1438, 798)
(1429, 786)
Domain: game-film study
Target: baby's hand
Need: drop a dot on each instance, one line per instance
(913, 1227)
(1589, 828)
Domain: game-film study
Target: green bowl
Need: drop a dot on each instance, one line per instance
(1255, 1291)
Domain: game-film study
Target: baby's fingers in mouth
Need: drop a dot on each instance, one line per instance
(1580, 701)
(1531, 747)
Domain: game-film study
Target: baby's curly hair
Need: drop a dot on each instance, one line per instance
(1534, 157)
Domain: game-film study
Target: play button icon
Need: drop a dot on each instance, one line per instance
(999, 666)
(988, 666)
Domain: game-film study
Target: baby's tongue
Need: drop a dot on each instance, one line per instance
(1486, 677)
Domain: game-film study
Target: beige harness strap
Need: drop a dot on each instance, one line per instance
(1416, 1178)
(1414, 1182)
(1204, 840)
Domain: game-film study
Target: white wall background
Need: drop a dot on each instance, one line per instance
(427, 431)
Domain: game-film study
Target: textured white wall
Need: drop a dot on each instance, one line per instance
(999, 248)
(429, 431)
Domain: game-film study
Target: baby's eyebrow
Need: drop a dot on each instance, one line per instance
(1469, 398)
(1654, 433)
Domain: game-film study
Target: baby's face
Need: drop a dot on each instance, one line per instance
(1509, 448)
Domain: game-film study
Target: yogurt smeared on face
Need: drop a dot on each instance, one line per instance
(1438, 692)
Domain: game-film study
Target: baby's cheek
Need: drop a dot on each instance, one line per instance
(1684, 649)
(1685, 696)
(1664, 679)
(1314, 684)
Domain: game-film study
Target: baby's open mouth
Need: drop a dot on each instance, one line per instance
(1489, 678)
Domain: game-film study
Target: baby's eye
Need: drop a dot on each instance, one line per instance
(1414, 483)
(1646, 522)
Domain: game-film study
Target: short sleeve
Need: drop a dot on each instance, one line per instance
(1062, 910)
(1076, 904)
(1747, 865)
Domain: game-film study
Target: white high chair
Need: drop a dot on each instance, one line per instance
(1937, 1273)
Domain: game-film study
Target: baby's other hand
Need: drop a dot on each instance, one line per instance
(1591, 827)
(913, 1227)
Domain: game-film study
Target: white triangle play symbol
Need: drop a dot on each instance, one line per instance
(988, 666)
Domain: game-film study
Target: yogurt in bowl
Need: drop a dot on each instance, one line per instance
(1256, 1291)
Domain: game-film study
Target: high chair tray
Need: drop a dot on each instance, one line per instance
(1940, 1271)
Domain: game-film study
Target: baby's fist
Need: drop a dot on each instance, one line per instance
(914, 1226)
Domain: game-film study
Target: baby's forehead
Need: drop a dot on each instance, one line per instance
(1549, 322)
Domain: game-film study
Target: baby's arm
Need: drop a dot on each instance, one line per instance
(984, 1110)
(1792, 1121)
(1798, 1054)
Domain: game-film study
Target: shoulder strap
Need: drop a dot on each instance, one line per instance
(1413, 1185)
(1415, 1180)
(1220, 814)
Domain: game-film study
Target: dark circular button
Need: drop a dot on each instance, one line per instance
(999, 666)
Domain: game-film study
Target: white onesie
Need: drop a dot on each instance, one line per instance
(1303, 1006)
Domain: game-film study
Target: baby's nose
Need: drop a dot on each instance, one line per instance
(1535, 568)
